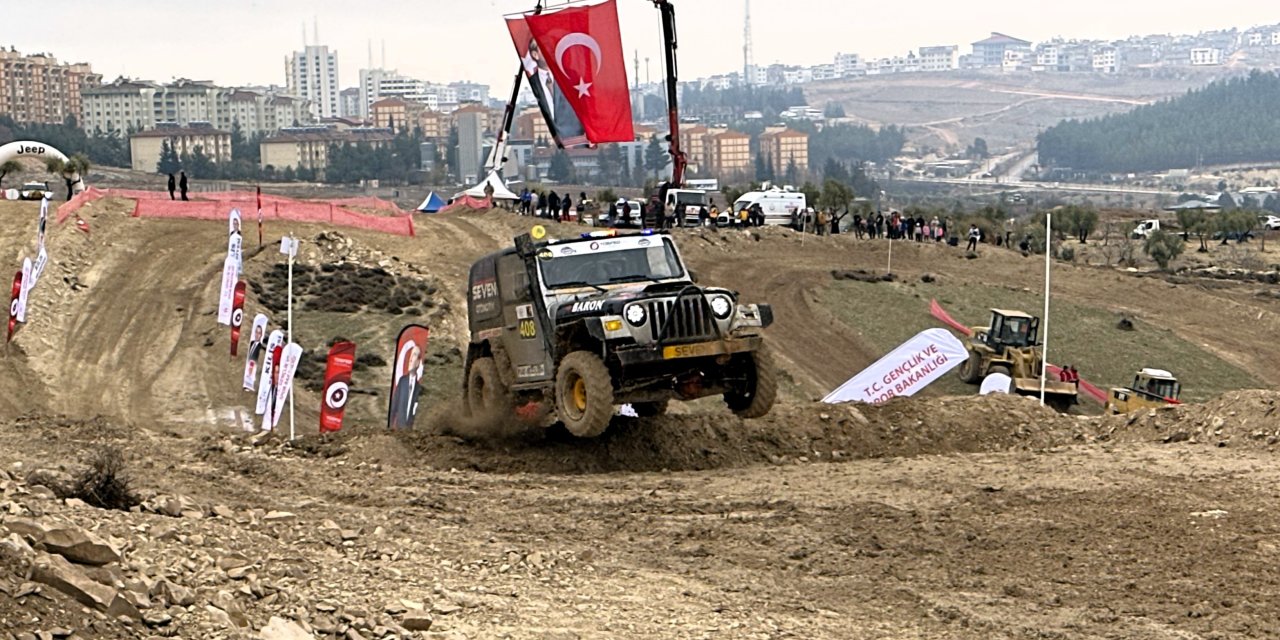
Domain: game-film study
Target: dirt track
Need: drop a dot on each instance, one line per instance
(927, 518)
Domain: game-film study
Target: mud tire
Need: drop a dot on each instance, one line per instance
(762, 387)
(486, 393)
(584, 394)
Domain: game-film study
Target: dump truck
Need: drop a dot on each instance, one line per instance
(575, 327)
(1009, 346)
(1150, 388)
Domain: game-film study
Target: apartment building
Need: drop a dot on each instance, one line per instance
(727, 154)
(37, 88)
(784, 147)
(991, 52)
(145, 146)
(397, 114)
(140, 105)
(940, 58)
(308, 147)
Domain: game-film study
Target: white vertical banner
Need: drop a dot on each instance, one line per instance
(264, 381)
(41, 261)
(288, 366)
(234, 252)
(44, 221)
(909, 368)
(226, 298)
(25, 291)
(257, 347)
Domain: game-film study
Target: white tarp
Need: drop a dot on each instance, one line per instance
(906, 370)
(500, 190)
(995, 383)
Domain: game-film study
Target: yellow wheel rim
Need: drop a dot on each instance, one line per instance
(580, 394)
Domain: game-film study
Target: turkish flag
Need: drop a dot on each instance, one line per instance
(337, 385)
(13, 305)
(583, 50)
(237, 315)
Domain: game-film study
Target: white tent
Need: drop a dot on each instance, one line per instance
(500, 190)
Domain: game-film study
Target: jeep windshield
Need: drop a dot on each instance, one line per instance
(611, 261)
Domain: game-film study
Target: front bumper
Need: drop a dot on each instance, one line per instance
(634, 355)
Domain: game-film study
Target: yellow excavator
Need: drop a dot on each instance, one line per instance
(1150, 388)
(1008, 345)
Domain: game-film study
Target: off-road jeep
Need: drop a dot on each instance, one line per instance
(578, 326)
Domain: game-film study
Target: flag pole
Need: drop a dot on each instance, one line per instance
(1044, 349)
(889, 269)
(292, 250)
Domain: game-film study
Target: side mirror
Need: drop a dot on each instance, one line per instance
(693, 277)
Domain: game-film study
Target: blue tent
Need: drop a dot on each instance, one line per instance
(432, 203)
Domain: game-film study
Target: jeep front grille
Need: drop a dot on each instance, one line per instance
(690, 320)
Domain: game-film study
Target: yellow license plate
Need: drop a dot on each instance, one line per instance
(693, 350)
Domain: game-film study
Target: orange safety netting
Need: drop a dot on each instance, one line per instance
(217, 205)
(469, 202)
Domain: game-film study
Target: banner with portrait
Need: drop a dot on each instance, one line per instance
(264, 383)
(406, 376)
(237, 316)
(257, 345)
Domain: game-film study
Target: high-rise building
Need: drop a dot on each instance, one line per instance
(471, 122)
(37, 88)
(313, 74)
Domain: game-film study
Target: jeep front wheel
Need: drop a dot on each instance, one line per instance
(486, 394)
(584, 394)
(755, 398)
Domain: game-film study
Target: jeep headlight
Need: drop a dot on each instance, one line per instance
(721, 306)
(636, 315)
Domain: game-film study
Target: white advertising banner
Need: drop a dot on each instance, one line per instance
(264, 381)
(235, 253)
(226, 298)
(25, 291)
(257, 347)
(44, 220)
(906, 370)
(41, 261)
(288, 366)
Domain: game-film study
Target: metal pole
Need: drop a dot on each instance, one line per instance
(292, 251)
(1048, 256)
(889, 269)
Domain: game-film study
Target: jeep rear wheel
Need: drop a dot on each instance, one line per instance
(486, 394)
(584, 394)
(756, 398)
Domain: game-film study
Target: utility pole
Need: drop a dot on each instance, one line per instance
(746, 46)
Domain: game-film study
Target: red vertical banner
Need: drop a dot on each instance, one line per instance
(237, 315)
(275, 364)
(337, 385)
(406, 376)
(13, 305)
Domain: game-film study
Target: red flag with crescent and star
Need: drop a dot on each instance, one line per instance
(583, 49)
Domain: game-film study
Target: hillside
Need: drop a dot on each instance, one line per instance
(1229, 121)
(949, 110)
(944, 515)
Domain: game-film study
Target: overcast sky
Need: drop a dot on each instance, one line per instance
(241, 42)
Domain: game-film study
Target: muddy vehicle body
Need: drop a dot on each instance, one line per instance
(1151, 388)
(575, 327)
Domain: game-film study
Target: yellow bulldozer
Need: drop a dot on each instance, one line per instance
(1009, 346)
(1151, 388)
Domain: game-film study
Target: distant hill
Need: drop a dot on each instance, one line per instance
(1229, 121)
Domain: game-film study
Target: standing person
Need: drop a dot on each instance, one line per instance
(533, 203)
(566, 206)
(879, 229)
(1008, 231)
(703, 214)
(553, 205)
(821, 219)
(919, 228)
(582, 206)
(714, 214)
(182, 184)
(625, 218)
(974, 234)
(173, 185)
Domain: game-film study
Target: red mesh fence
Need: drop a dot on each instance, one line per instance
(470, 202)
(216, 206)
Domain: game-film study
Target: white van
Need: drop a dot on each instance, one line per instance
(778, 205)
(686, 203)
(1145, 228)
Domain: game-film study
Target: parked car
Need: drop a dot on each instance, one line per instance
(35, 190)
(1270, 223)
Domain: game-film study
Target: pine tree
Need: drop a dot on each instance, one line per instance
(169, 161)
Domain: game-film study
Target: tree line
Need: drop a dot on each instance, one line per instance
(109, 149)
(1228, 121)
